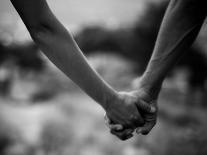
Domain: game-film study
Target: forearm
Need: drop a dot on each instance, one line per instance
(179, 29)
(67, 56)
(58, 45)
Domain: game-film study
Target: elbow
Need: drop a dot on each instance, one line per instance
(44, 31)
(35, 34)
(47, 29)
(39, 32)
(39, 26)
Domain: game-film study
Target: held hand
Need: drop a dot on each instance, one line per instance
(150, 118)
(143, 101)
(124, 110)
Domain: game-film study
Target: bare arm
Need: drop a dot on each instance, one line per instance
(179, 29)
(57, 43)
(59, 46)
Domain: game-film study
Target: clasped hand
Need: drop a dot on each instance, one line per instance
(131, 111)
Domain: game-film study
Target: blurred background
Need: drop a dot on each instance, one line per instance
(43, 113)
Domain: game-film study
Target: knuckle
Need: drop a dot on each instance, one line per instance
(136, 118)
(132, 118)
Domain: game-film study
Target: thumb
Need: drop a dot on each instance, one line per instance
(146, 128)
(146, 107)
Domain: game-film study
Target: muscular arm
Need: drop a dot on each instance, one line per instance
(58, 45)
(179, 29)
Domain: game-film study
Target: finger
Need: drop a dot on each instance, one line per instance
(106, 121)
(129, 136)
(146, 107)
(111, 125)
(123, 135)
(123, 132)
(116, 127)
(116, 120)
(146, 128)
(126, 137)
(109, 121)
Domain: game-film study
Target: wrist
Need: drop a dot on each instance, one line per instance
(109, 99)
(150, 87)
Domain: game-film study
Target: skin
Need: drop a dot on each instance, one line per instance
(59, 46)
(148, 114)
(180, 27)
(149, 117)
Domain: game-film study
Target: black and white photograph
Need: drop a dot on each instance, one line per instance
(103, 77)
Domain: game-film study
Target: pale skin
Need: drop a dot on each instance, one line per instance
(180, 27)
(59, 46)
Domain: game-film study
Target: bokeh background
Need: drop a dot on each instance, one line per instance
(42, 112)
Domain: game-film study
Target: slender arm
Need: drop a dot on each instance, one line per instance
(59, 46)
(181, 24)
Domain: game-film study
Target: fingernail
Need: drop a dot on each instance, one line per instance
(153, 109)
